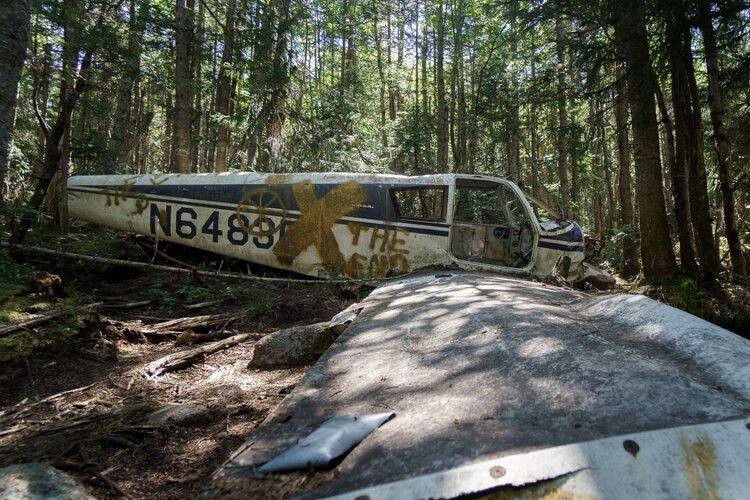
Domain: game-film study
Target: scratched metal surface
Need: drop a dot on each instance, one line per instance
(478, 366)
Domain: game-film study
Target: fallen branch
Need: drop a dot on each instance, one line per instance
(195, 322)
(189, 337)
(43, 400)
(129, 305)
(186, 358)
(7, 329)
(95, 417)
(201, 305)
(156, 267)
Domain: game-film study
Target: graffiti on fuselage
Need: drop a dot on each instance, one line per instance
(261, 218)
(122, 193)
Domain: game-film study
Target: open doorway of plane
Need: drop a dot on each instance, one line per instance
(491, 224)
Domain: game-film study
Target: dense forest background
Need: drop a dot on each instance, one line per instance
(631, 117)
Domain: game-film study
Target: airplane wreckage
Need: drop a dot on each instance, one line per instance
(342, 225)
(460, 383)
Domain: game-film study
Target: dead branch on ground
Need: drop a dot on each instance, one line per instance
(186, 358)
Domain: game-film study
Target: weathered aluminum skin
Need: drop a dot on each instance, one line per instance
(485, 371)
(323, 225)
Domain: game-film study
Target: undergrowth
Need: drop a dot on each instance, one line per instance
(726, 303)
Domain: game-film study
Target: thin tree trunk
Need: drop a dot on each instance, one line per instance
(442, 105)
(381, 75)
(632, 45)
(223, 92)
(53, 154)
(180, 156)
(677, 154)
(700, 208)
(276, 106)
(122, 121)
(629, 251)
(562, 143)
(15, 18)
(721, 140)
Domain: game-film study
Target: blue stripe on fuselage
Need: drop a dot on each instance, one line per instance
(377, 207)
(430, 228)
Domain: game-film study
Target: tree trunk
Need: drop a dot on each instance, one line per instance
(442, 105)
(515, 139)
(276, 105)
(53, 153)
(458, 93)
(122, 123)
(383, 84)
(629, 252)
(15, 17)
(721, 141)
(677, 145)
(700, 208)
(632, 45)
(180, 156)
(223, 92)
(562, 146)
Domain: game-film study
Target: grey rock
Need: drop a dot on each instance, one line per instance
(179, 414)
(228, 392)
(36, 481)
(292, 347)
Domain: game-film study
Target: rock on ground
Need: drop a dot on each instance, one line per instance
(292, 347)
(39, 482)
(179, 414)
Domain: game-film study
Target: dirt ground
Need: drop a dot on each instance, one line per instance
(81, 406)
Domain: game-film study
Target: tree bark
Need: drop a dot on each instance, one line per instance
(15, 18)
(700, 208)
(180, 156)
(721, 140)
(279, 91)
(442, 104)
(122, 122)
(53, 152)
(562, 113)
(632, 45)
(223, 92)
(629, 251)
(677, 145)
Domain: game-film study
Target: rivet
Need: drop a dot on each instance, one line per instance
(362, 497)
(631, 447)
(497, 471)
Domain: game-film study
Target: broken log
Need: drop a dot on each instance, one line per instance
(8, 329)
(128, 305)
(195, 322)
(190, 337)
(186, 358)
(201, 305)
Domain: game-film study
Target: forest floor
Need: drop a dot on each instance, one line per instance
(74, 392)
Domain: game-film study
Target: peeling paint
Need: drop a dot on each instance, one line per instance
(699, 455)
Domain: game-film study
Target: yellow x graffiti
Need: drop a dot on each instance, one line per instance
(317, 220)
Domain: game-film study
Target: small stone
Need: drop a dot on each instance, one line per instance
(36, 481)
(228, 392)
(183, 415)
